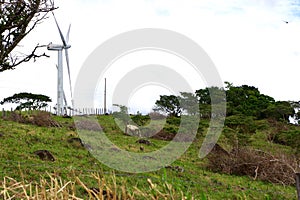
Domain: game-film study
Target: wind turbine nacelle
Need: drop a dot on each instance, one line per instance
(57, 47)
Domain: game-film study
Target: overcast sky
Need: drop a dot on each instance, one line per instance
(247, 40)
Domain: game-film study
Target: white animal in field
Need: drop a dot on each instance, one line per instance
(133, 129)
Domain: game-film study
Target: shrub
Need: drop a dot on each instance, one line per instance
(171, 129)
(241, 123)
(290, 138)
(39, 118)
(173, 121)
(256, 164)
(16, 117)
(42, 118)
(141, 120)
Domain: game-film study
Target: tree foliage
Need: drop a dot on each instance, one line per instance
(28, 100)
(122, 114)
(168, 104)
(17, 19)
(189, 103)
(247, 100)
(242, 100)
(210, 95)
(280, 110)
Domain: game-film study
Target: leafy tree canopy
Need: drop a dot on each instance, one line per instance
(189, 103)
(168, 104)
(241, 100)
(28, 100)
(210, 95)
(122, 114)
(206, 95)
(247, 100)
(280, 110)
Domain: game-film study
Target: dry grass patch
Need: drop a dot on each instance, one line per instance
(54, 187)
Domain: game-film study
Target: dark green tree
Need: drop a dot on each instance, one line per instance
(207, 96)
(168, 104)
(122, 114)
(246, 100)
(203, 96)
(280, 110)
(189, 103)
(27, 100)
(17, 19)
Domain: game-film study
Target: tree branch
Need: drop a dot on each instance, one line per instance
(18, 19)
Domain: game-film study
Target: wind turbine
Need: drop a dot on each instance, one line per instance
(61, 97)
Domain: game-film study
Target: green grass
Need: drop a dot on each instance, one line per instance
(17, 161)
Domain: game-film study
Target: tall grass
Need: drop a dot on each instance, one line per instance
(54, 187)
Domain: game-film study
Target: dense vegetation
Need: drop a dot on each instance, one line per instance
(245, 101)
(255, 158)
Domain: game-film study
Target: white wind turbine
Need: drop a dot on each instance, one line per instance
(61, 98)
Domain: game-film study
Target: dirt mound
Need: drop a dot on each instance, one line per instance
(163, 135)
(143, 141)
(40, 118)
(44, 155)
(85, 124)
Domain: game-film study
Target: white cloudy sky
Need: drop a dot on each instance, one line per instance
(246, 39)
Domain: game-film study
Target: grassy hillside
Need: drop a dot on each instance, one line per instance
(75, 172)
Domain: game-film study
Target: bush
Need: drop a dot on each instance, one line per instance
(141, 120)
(254, 163)
(241, 123)
(38, 118)
(42, 118)
(289, 138)
(171, 129)
(174, 121)
(14, 116)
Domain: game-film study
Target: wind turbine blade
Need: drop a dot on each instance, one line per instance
(67, 36)
(60, 33)
(69, 73)
(65, 99)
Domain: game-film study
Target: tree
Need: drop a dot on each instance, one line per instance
(280, 110)
(210, 95)
(189, 103)
(296, 107)
(168, 104)
(246, 100)
(27, 100)
(122, 114)
(17, 19)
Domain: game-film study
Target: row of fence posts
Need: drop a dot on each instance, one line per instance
(66, 111)
(81, 111)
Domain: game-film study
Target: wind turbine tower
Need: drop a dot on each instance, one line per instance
(61, 98)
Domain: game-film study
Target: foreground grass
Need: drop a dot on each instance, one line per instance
(75, 171)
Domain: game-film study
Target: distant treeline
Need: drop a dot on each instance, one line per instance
(240, 100)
